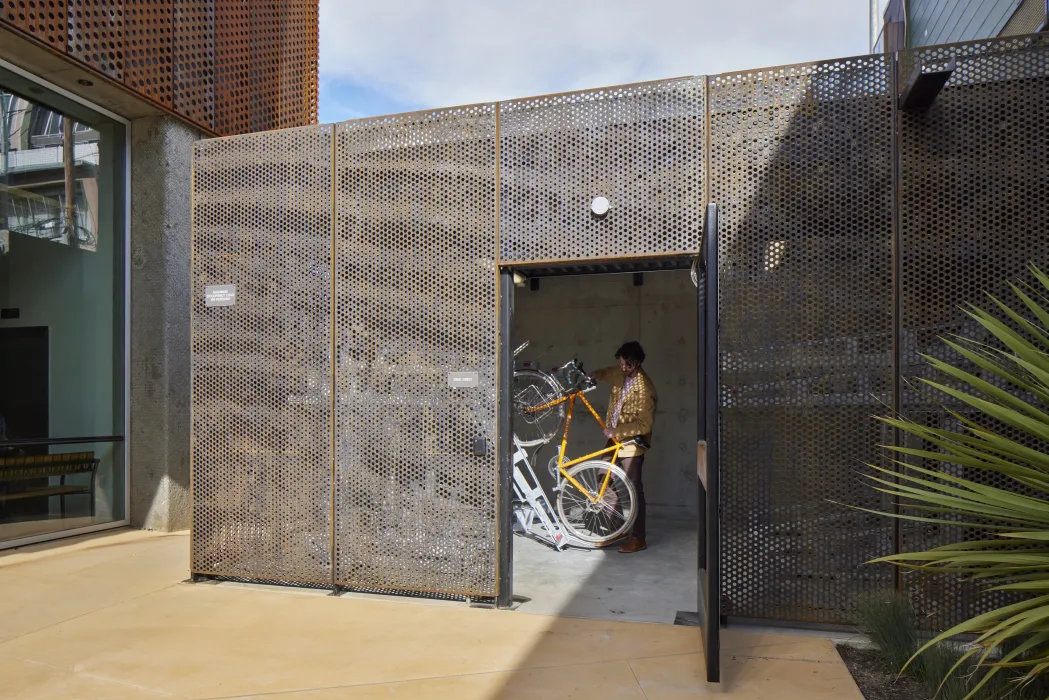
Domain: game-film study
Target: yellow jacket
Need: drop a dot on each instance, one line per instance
(639, 407)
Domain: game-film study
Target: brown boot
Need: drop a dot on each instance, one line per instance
(634, 544)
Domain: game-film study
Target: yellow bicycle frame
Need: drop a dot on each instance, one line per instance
(562, 465)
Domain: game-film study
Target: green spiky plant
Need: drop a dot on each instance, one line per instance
(1013, 553)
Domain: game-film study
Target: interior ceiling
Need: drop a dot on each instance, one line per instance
(605, 267)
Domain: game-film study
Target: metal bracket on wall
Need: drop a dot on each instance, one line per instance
(922, 87)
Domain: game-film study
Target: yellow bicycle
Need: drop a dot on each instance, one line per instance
(596, 503)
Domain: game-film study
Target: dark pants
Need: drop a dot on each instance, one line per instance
(632, 467)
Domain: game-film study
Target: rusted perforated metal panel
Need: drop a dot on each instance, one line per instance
(96, 35)
(265, 64)
(974, 213)
(298, 78)
(416, 300)
(801, 166)
(47, 22)
(640, 146)
(261, 443)
(233, 67)
(194, 79)
(14, 13)
(230, 66)
(148, 48)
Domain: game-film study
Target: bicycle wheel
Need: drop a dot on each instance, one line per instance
(605, 521)
(531, 389)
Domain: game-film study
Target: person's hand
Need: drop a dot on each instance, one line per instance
(609, 433)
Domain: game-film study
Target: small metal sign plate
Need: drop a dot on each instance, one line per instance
(220, 295)
(463, 380)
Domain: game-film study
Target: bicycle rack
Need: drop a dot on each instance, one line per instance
(533, 504)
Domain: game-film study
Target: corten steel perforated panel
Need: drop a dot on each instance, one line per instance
(297, 82)
(233, 67)
(194, 79)
(265, 64)
(974, 213)
(261, 387)
(229, 66)
(416, 299)
(48, 22)
(640, 146)
(14, 13)
(96, 35)
(801, 167)
(148, 48)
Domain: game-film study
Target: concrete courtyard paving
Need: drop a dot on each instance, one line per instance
(109, 617)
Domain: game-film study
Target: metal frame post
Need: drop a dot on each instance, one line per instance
(504, 442)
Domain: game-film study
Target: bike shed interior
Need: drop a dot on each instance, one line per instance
(584, 312)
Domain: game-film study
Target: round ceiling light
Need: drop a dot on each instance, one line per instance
(599, 206)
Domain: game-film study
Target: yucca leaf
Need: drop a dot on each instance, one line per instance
(1021, 321)
(1003, 396)
(1032, 305)
(1006, 415)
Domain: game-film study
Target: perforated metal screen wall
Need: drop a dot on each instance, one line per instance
(639, 146)
(850, 232)
(262, 416)
(416, 301)
(801, 166)
(974, 212)
(229, 66)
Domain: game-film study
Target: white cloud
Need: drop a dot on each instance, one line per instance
(448, 52)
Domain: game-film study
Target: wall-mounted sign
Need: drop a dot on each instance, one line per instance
(463, 380)
(220, 295)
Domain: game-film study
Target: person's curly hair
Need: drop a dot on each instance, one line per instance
(631, 352)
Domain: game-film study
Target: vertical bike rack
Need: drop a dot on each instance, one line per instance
(532, 503)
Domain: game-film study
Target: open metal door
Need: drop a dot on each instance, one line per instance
(707, 452)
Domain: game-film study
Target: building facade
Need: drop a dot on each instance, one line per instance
(101, 103)
(902, 24)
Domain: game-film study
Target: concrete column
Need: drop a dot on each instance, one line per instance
(161, 152)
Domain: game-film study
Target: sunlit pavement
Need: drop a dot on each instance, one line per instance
(109, 616)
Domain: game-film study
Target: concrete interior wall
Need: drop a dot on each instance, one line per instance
(587, 318)
(161, 172)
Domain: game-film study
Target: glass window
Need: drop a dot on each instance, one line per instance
(62, 244)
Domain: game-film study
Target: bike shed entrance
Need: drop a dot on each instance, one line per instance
(582, 311)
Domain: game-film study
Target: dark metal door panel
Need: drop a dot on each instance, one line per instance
(801, 169)
(416, 298)
(708, 452)
(973, 215)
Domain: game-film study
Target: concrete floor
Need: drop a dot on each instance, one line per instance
(650, 586)
(107, 616)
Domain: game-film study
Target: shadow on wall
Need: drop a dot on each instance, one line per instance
(801, 164)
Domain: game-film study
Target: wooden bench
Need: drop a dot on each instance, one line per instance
(22, 468)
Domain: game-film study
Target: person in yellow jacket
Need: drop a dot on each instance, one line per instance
(631, 412)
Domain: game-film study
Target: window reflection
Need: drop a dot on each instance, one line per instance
(46, 162)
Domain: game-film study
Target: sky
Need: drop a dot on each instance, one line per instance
(386, 56)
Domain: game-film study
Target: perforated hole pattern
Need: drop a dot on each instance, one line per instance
(802, 165)
(639, 146)
(147, 55)
(974, 213)
(96, 35)
(261, 442)
(416, 299)
(229, 65)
